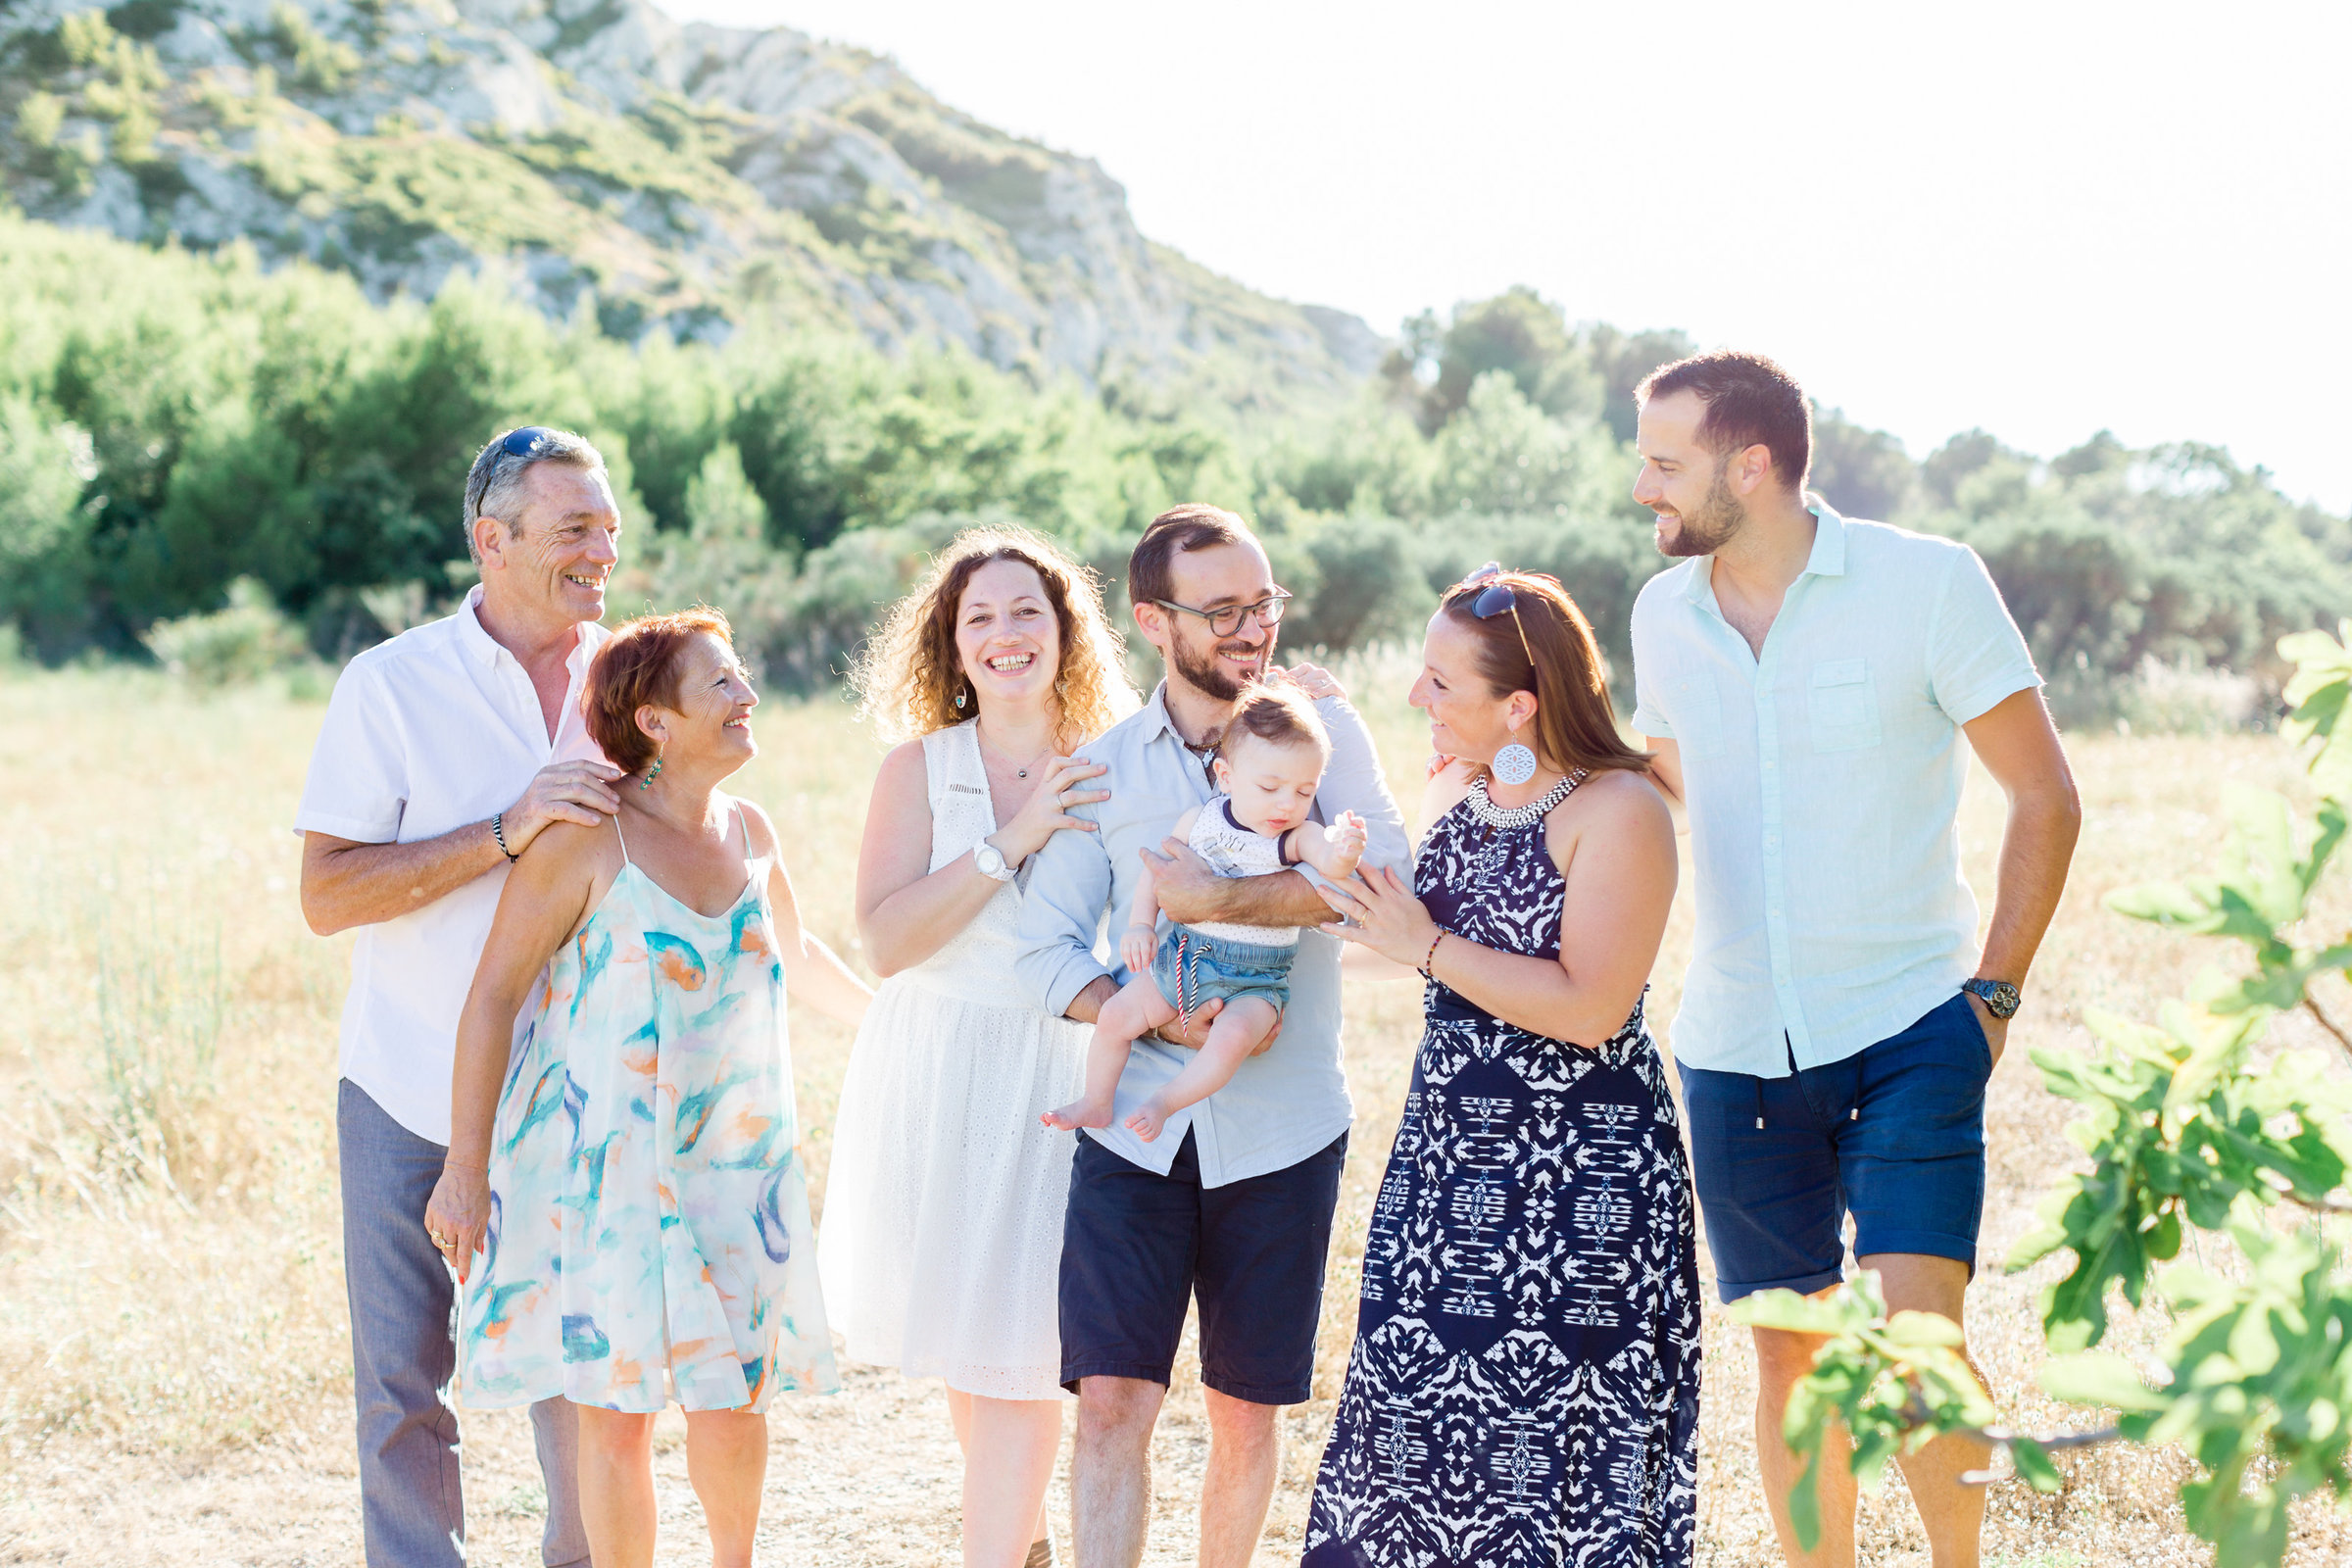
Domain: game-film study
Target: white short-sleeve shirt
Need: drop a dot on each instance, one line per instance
(433, 730)
(1822, 781)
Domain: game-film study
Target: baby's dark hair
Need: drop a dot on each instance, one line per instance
(1279, 712)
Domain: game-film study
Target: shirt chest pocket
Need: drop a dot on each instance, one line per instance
(1843, 706)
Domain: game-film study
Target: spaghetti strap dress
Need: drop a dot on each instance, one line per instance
(1524, 1388)
(649, 1233)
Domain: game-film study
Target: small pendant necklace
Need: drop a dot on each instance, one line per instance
(1020, 770)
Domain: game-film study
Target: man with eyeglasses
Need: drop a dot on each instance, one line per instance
(444, 752)
(1233, 1202)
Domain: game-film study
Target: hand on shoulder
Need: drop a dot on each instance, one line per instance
(1314, 680)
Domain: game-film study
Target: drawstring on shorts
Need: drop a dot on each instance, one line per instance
(1187, 980)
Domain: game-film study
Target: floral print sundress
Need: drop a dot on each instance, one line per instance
(649, 1233)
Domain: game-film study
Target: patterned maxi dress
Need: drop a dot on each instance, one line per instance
(1524, 1386)
(649, 1220)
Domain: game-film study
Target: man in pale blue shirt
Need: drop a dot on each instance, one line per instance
(1804, 681)
(1233, 1202)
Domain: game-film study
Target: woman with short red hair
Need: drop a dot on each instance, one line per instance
(627, 1216)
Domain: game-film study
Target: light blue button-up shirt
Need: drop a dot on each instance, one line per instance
(1280, 1106)
(1821, 780)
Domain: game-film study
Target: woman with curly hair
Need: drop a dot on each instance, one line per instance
(941, 1237)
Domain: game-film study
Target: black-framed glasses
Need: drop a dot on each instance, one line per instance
(1226, 619)
(1495, 598)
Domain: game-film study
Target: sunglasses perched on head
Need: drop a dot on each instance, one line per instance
(1495, 598)
(528, 442)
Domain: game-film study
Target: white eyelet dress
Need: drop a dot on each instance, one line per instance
(941, 1243)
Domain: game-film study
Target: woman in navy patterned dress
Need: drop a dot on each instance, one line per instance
(1524, 1387)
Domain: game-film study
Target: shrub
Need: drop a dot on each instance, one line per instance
(228, 646)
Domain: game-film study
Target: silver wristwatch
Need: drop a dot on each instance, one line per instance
(989, 861)
(2000, 998)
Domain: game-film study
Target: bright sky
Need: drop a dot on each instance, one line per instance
(2041, 217)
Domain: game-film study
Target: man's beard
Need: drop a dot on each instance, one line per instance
(1710, 529)
(1206, 675)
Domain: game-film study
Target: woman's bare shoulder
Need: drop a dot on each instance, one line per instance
(758, 828)
(569, 846)
(1615, 799)
(903, 775)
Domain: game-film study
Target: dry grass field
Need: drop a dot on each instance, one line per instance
(174, 1375)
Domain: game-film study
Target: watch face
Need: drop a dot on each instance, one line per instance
(1999, 997)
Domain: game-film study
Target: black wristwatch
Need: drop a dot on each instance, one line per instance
(1999, 997)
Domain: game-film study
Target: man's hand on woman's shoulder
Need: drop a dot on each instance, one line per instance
(562, 792)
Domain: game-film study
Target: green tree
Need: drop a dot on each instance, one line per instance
(1862, 473)
(45, 557)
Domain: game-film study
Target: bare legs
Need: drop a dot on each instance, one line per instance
(1110, 1474)
(1232, 1039)
(1953, 1513)
(1137, 1009)
(1009, 1451)
(1110, 1470)
(726, 1459)
(1244, 1453)
(1239, 1031)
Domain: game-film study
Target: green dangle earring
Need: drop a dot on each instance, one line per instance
(652, 773)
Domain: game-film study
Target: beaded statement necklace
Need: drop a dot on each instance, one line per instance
(1512, 818)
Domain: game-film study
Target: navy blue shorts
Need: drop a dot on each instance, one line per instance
(1137, 1247)
(1893, 1135)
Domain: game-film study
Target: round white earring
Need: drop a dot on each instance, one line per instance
(1514, 764)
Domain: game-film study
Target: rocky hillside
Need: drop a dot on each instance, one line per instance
(611, 160)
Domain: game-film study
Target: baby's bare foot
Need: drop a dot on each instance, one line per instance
(1078, 1113)
(1147, 1122)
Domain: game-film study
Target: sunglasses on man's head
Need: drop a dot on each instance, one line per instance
(1495, 598)
(528, 442)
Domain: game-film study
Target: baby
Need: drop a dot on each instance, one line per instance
(1269, 765)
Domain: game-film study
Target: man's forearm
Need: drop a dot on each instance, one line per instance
(2037, 848)
(346, 884)
(1087, 1006)
(1277, 899)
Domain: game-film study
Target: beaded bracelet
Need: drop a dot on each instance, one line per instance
(1431, 956)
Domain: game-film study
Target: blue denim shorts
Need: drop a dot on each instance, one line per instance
(1893, 1135)
(1192, 968)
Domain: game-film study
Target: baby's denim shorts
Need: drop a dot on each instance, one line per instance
(1192, 968)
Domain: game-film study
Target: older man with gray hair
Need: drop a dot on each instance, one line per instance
(444, 752)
